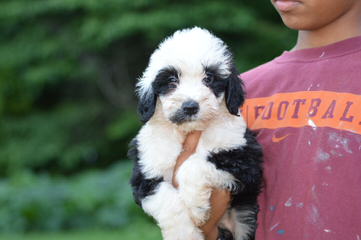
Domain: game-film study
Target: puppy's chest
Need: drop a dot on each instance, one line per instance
(223, 135)
(158, 151)
(159, 148)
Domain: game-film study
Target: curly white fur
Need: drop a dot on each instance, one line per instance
(179, 212)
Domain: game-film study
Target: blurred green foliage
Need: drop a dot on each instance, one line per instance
(67, 103)
(91, 200)
(139, 229)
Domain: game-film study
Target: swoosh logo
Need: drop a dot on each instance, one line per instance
(279, 139)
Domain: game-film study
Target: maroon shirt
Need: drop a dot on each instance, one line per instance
(306, 107)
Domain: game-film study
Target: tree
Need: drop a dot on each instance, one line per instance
(68, 69)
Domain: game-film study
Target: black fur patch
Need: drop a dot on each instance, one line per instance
(165, 81)
(245, 164)
(250, 219)
(224, 234)
(179, 117)
(214, 81)
(146, 106)
(232, 86)
(141, 186)
(234, 92)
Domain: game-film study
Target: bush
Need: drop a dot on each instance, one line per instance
(92, 199)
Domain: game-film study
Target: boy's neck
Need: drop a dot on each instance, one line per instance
(345, 27)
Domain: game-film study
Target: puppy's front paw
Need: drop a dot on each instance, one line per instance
(200, 214)
(182, 232)
(197, 202)
(194, 190)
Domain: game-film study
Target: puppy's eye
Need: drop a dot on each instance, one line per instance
(209, 78)
(172, 81)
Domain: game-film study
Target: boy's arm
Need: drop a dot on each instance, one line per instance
(219, 198)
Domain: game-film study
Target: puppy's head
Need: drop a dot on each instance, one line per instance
(188, 78)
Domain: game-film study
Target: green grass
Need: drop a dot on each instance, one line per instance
(140, 230)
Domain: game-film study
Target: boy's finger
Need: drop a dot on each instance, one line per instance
(191, 141)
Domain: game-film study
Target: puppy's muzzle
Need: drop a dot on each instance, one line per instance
(186, 112)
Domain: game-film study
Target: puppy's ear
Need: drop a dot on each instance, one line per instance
(234, 95)
(146, 106)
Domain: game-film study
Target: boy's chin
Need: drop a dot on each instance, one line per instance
(321, 14)
(301, 23)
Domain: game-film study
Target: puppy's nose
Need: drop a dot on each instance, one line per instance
(190, 107)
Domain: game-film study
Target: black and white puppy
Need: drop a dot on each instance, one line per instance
(192, 84)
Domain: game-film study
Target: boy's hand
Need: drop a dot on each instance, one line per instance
(189, 147)
(219, 198)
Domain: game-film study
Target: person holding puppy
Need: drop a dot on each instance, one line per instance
(305, 107)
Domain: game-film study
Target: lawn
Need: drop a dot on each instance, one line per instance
(138, 231)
